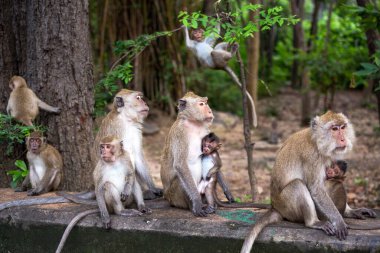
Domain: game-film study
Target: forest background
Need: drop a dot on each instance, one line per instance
(77, 55)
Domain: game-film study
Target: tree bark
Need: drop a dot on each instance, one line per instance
(297, 7)
(253, 56)
(247, 132)
(49, 45)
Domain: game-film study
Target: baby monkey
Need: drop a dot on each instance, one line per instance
(337, 171)
(211, 174)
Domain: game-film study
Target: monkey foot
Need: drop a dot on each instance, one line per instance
(32, 192)
(145, 210)
(361, 213)
(210, 209)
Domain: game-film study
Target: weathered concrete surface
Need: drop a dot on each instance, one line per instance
(39, 229)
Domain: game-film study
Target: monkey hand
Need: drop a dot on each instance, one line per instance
(341, 230)
(197, 209)
(57, 110)
(362, 213)
(152, 193)
(106, 220)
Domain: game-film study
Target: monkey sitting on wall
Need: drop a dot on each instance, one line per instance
(298, 190)
(181, 165)
(23, 103)
(45, 166)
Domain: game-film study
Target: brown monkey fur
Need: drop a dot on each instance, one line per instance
(23, 104)
(298, 189)
(181, 159)
(45, 166)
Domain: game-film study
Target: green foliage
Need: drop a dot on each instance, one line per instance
(18, 175)
(237, 31)
(332, 62)
(121, 73)
(12, 132)
(371, 69)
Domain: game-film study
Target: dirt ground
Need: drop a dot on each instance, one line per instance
(363, 176)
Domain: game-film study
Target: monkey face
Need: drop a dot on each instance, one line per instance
(198, 35)
(107, 152)
(338, 132)
(205, 110)
(34, 144)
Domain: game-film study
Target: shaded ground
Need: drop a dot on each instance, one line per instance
(363, 174)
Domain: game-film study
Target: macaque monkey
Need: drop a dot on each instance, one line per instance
(298, 190)
(23, 104)
(125, 123)
(115, 181)
(211, 164)
(181, 164)
(335, 175)
(115, 186)
(215, 57)
(45, 166)
(211, 175)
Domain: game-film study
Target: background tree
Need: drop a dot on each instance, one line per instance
(49, 45)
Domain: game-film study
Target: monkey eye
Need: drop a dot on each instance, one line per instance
(343, 126)
(139, 97)
(202, 103)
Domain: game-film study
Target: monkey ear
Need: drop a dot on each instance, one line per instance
(121, 144)
(181, 105)
(118, 103)
(314, 122)
(43, 139)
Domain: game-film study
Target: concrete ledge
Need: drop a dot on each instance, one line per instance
(39, 229)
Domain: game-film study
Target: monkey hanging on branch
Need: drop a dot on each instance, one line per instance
(215, 56)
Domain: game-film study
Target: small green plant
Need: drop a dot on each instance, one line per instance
(19, 174)
(12, 132)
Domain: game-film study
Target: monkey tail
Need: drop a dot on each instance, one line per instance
(239, 205)
(81, 198)
(72, 223)
(363, 227)
(34, 201)
(236, 80)
(269, 217)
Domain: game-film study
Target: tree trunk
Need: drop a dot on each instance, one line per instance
(297, 7)
(372, 37)
(49, 45)
(247, 132)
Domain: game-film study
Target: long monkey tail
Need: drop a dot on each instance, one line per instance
(236, 80)
(269, 217)
(72, 223)
(34, 201)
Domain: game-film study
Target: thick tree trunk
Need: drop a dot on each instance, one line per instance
(51, 50)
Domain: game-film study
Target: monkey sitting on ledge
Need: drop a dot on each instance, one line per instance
(298, 190)
(45, 166)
